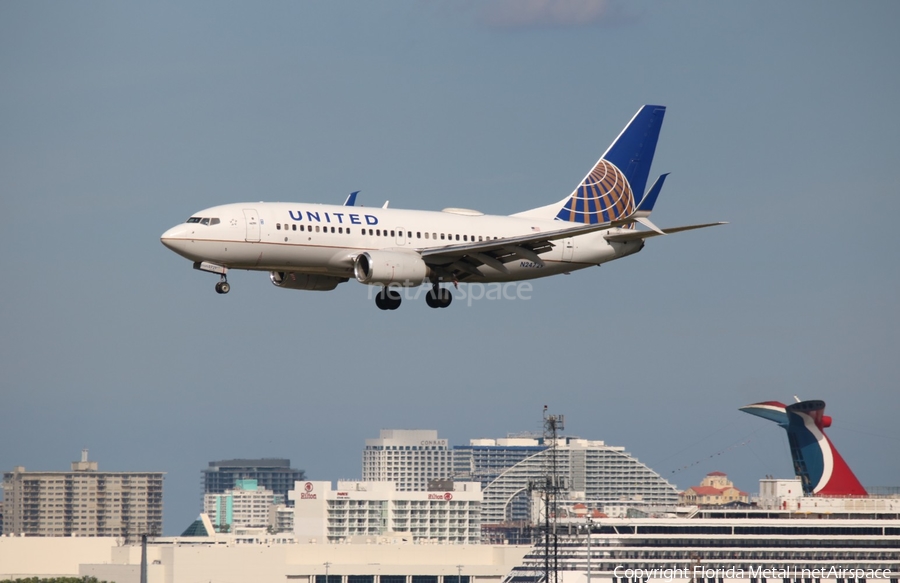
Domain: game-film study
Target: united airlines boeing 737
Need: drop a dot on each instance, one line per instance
(308, 246)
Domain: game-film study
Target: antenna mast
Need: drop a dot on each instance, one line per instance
(550, 486)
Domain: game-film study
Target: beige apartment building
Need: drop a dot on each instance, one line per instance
(83, 502)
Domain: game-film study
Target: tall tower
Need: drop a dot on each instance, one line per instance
(551, 485)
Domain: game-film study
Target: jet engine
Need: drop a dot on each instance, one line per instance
(390, 268)
(311, 282)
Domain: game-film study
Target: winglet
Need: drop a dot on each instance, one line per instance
(351, 200)
(645, 207)
(649, 200)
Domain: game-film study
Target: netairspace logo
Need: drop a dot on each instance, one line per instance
(467, 292)
(792, 572)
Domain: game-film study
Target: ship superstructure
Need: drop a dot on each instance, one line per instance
(820, 526)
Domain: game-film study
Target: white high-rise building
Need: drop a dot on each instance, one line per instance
(408, 458)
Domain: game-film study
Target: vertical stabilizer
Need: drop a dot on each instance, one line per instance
(615, 184)
(816, 461)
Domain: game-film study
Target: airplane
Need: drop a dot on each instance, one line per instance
(315, 247)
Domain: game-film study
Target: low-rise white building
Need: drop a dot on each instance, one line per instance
(257, 557)
(370, 509)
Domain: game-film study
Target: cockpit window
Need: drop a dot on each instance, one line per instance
(203, 221)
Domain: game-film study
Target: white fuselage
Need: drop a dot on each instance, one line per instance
(326, 239)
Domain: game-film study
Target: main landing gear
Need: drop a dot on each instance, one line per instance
(438, 297)
(223, 286)
(387, 299)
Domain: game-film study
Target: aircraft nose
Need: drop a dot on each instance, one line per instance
(176, 238)
(168, 238)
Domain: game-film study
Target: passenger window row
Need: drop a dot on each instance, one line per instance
(384, 233)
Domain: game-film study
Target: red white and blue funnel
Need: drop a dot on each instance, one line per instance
(818, 464)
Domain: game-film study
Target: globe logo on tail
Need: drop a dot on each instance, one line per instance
(603, 196)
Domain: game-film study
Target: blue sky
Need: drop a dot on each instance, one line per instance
(119, 120)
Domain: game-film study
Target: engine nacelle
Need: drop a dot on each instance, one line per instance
(390, 268)
(311, 282)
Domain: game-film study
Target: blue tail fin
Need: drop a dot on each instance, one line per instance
(607, 193)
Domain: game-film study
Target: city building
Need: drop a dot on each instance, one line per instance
(715, 489)
(408, 458)
(369, 509)
(281, 519)
(275, 474)
(591, 471)
(245, 505)
(483, 460)
(260, 558)
(83, 502)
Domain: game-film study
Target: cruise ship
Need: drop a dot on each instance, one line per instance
(820, 526)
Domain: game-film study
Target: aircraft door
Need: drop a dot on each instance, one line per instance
(401, 236)
(568, 249)
(251, 217)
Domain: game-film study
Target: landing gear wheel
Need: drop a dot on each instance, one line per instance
(438, 297)
(387, 299)
(432, 300)
(223, 287)
(446, 297)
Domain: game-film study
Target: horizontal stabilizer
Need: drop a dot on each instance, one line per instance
(637, 235)
(647, 223)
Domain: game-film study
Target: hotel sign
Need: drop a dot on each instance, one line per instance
(307, 493)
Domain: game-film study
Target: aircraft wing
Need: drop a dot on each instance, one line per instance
(635, 235)
(463, 260)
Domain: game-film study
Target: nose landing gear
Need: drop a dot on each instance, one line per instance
(223, 286)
